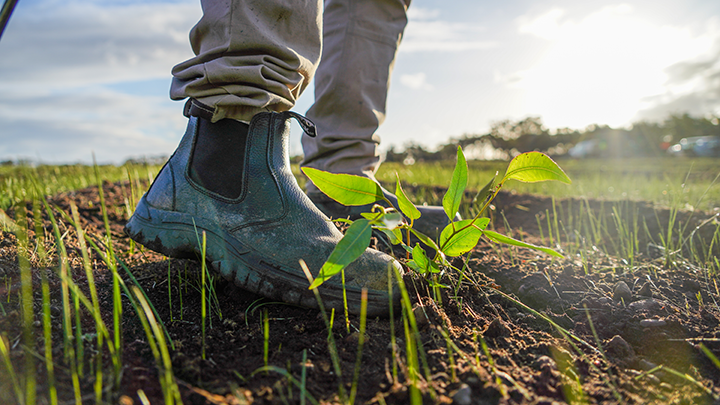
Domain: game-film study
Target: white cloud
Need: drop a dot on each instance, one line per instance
(70, 126)
(599, 68)
(430, 34)
(692, 86)
(66, 44)
(420, 13)
(59, 57)
(544, 26)
(416, 81)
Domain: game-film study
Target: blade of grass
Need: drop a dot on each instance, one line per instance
(4, 350)
(47, 335)
(284, 373)
(332, 348)
(415, 335)
(26, 294)
(361, 342)
(156, 339)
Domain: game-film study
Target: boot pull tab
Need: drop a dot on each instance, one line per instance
(307, 125)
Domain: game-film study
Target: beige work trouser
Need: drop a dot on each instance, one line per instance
(260, 55)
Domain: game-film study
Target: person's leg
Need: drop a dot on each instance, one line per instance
(232, 180)
(361, 39)
(252, 56)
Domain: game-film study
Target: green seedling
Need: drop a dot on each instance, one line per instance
(458, 237)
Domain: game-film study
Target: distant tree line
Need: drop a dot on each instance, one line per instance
(509, 138)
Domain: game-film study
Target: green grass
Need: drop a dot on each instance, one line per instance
(651, 179)
(16, 182)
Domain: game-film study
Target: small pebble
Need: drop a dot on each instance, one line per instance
(691, 285)
(353, 338)
(652, 323)
(398, 345)
(497, 328)
(646, 290)
(545, 363)
(650, 305)
(125, 400)
(620, 349)
(622, 292)
(420, 316)
(646, 365)
(463, 396)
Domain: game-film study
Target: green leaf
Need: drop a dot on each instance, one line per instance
(425, 239)
(532, 167)
(370, 216)
(421, 263)
(500, 238)
(420, 258)
(405, 205)
(454, 243)
(394, 235)
(454, 195)
(350, 247)
(485, 192)
(347, 189)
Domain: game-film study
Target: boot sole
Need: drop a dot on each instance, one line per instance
(179, 235)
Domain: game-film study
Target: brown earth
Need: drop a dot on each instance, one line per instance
(536, 316)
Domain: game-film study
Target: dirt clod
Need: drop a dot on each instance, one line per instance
(618, 348)
(622, 293)
(646, 290)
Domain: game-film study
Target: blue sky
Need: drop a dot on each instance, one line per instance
(79, 77)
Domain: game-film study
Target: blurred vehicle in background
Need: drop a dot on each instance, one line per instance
(700, 146)
(589, 148)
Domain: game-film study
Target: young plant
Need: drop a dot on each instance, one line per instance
(458, 237)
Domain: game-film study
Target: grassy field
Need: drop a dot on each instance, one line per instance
(88, 341)
(664, 181)
(691, 183)
(18, 182)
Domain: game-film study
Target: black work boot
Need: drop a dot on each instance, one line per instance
(258, 222)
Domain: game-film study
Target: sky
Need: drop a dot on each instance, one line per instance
(91, 77)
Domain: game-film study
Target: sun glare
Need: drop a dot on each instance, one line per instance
(598, 69)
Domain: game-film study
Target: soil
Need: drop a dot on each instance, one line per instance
(517, 327)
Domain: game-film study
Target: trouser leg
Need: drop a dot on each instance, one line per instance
(252, 56)
(351, 84)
